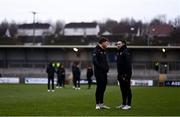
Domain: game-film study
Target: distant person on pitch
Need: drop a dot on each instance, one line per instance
(77, 75)
(89, 74)
(50, 71)
(62, 76)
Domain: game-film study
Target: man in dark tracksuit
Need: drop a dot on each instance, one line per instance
(74, 80)
(124, 68)
(77, 74)
(89, 74)
(50, 71)
(101, 69)
(63, 73)
(61, 76)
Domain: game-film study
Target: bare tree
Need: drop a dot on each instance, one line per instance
(58, 28)
(177, 21)
(110, 24)
(3, 28)
(13, 29)
(102, 27)
(160, 19)
(127, 26)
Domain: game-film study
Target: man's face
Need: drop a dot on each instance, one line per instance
(105, 44)
(119, 44)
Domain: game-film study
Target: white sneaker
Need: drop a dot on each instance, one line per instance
(120, 107)
(78, 88)
(49, 90)
(52, 90)
(57, 87)
(126, 107)
(104, 106)
(97, 107)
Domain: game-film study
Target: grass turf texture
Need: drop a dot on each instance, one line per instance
(34, 100)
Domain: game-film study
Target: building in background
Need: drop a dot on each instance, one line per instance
(161, 30)
(81, 29)
(39, 29)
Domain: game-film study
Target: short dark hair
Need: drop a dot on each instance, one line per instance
(102, 39)
(123, 41)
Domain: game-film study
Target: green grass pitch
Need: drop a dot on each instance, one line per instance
(32, 100)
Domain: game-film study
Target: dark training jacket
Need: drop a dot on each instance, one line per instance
(76, 72)
(50, 71)
(61, 72)
(100, 61)
(124, 65)
(89, 73)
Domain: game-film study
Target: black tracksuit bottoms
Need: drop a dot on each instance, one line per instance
(125, 86)
(101, 80)
(50, 80)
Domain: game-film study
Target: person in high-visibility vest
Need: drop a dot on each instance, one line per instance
(58, 65)
(157, 66)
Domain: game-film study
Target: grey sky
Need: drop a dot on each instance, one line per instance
(87, 10)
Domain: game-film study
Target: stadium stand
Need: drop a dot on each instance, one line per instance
(32, 61)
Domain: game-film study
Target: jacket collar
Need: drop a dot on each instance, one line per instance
(99, 47)
(122, 48)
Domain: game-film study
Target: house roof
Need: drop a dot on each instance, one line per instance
(106, 33)
(161, 30)
(125, 29)
(81, 25)
(36, 25)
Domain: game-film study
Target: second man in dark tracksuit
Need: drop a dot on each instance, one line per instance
(50, 71)
(77, 75)
(101, 69)
(124, 69)
(89, 74)
(61, 76)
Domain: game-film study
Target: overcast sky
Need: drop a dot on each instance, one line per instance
(87, 10)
